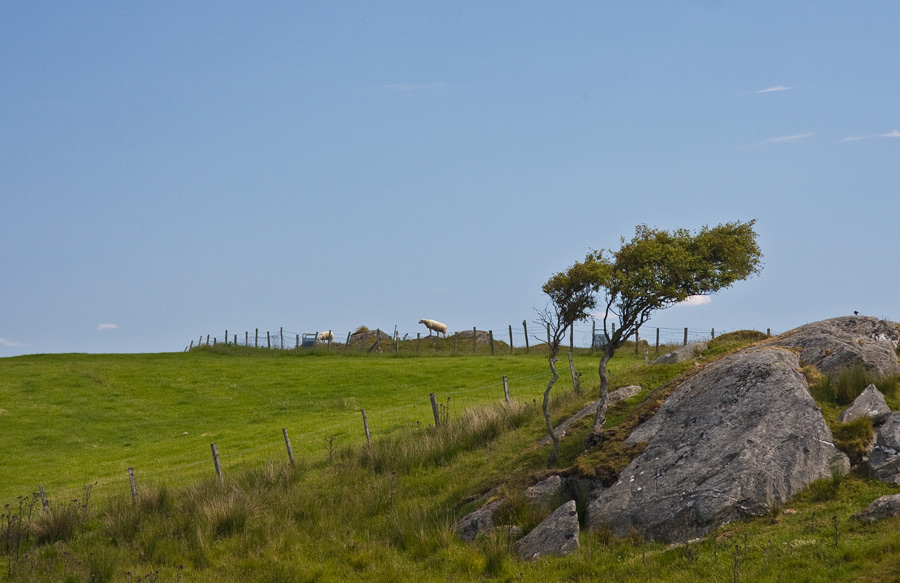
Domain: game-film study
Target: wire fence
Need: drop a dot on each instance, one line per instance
(510, 337)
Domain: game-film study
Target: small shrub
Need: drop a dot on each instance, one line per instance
(853, 438)
(59, 524)
(826, 489)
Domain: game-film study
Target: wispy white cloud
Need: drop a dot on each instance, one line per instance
(791, 139)
(695, 301)
(893, 134)
(107, 326)
(774, 89)
(10, 343)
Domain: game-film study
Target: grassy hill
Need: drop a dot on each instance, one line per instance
(347, 510)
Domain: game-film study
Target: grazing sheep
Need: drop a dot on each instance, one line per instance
(326, 336)
(436, 326)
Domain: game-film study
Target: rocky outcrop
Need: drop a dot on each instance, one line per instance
(884, 461)
(478, 521)
(884, 507)
(870, 403)
(557, 535)
(545, 492)
(845, 342)
(686, 352)
(735, 439)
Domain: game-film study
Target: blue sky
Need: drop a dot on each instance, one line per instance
(175, 169)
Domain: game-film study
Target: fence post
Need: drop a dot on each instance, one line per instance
(256, 340)
(505, 389)
(215, 454)
(366, 427)
(281, 333)
(525, 326)
(268, 340)
(235, 339)
(657, 341)
(576, 382)
(434, 410)
(246, 338)
(347, 343)
(44, 500)
(418, 340)
(192, 344)
(298, 340)
(593, 332)
(207, 339)
(768, 331)
(226, 337)
(685, 336)
(287, 444)
(510, 339)
(491, 337)
(134, 494)
(713, 333)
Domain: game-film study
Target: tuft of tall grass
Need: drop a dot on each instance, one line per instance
(432, 446)
(843, 386)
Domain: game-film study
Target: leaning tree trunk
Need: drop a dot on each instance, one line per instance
(593, 437)
(546, 408)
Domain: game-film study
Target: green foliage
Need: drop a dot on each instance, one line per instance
(658, 269)
(853, 438)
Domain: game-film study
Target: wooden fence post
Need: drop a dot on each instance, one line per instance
(192, 344)
(510, 339)
(268, 340)
(434, 410)
(256, 341)
(593, 332)
(491, 338)
(134, 494)
(768, 331)
(685, 336)
(713, 334)
(226, 337)
(298, 340)
(657, 341)
(207, 339)
(366, 427)
(44, 500)
(576, 381)
(525, 326)
(246, 338)
(505, 389)
(235, 339)
(281, 333)
(215, 454)
(287, 444)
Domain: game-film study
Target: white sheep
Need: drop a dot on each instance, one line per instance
(436, 326)
(326, 336)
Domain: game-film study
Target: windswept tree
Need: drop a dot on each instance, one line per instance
(656, 270)
(571, 298)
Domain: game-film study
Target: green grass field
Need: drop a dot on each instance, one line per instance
(75, 419)
(356, 512)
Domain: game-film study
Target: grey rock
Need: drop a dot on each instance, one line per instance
(545, 492)
(884, 507)
(870, 403)
(884, 461)
(616, 396)
(686, 352)
(557, 535)
(738, 437)
(838, 343)
(478, 521)
(623, 393)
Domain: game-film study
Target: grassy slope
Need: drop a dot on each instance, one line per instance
(74, 419)
(342, 521)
